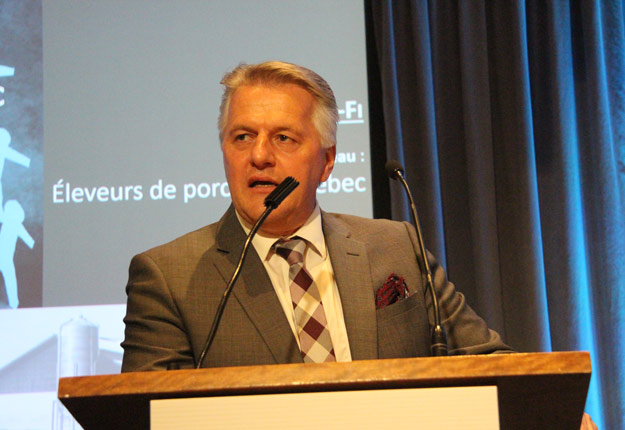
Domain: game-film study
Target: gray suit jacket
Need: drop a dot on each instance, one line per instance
(174, 289)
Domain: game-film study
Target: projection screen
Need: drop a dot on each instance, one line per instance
(109, 146)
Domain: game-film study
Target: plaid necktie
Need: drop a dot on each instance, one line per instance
(310, 318)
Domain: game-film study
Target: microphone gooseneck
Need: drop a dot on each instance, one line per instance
(272, 201)
(438, 345)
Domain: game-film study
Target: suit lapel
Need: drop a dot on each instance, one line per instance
(254, 291)
(353, 278)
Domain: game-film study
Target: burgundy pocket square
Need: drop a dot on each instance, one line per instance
(393, 290)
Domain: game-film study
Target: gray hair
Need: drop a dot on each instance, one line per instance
(325, 115)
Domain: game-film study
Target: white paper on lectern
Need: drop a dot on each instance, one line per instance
(464, 408)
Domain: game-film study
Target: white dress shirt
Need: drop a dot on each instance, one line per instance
(318, 264)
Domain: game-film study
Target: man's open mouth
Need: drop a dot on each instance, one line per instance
(256, 184)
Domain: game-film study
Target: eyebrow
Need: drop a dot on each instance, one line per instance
(239, 127)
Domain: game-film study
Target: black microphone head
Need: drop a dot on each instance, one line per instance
(394, 169)
(280, 192)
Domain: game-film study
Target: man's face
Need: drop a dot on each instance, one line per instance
(270, 135)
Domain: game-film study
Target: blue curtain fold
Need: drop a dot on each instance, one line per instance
(509, 118)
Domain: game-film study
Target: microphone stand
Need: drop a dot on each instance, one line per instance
(438, 346)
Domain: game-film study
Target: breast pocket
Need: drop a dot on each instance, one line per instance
(403, 329)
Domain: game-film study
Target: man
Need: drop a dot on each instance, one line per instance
(279, 120)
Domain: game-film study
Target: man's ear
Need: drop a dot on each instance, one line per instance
(330, 154)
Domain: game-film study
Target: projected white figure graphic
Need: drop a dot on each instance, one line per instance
(5, 71)
(10, 154)
(12, 228)
(11, 217)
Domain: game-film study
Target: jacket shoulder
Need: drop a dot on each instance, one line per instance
(365, 227)
(188, 245)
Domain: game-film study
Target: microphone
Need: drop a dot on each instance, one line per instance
(272, 201)
(438, 345)
(280, 192)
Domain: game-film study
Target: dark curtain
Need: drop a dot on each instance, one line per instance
(509, 117)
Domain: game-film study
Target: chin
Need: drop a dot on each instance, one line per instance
(283, 222)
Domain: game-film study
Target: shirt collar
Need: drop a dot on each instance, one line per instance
(311, 231)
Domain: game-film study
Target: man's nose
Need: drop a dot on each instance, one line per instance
(262, 152)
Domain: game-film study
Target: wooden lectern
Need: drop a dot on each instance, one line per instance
(535, 391)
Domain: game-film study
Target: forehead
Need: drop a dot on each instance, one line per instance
(271, 100)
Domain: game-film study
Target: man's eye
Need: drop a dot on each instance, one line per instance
(283, 138)
(241, 137)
